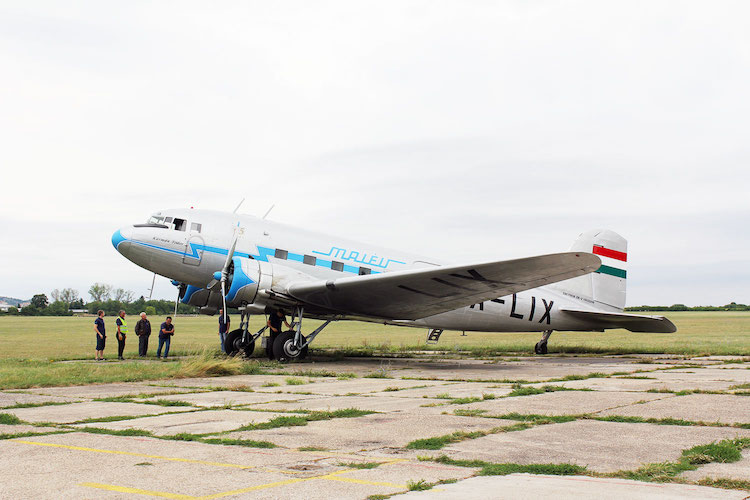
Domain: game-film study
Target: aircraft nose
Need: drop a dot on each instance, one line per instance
(121, 237)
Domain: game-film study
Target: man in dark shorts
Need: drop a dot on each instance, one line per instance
(166, 330)
(101, 335)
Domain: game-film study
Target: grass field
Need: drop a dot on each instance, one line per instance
(28, 345)
(73, 337)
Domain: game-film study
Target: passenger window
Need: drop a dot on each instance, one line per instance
(309, 259)
(337, 266)
(281, 254)
(180, 224)
(194, 226)
(364, 270)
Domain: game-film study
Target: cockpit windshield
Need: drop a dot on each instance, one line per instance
(155, 219)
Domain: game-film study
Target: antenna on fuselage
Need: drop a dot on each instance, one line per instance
(268, 211)
(238, 206)
(151, 290)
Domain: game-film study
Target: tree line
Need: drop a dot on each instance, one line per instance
(732, 306)
(111, 300)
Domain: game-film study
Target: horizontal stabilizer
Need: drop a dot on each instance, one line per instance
(632, 322)
(423, 292)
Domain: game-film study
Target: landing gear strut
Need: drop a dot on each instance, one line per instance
(241, 340)
(541, 346)
(291, 345)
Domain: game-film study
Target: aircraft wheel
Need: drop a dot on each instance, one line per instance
(284, 349)
(233, 344)
(540, 348)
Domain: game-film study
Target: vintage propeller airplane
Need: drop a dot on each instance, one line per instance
(226, 259)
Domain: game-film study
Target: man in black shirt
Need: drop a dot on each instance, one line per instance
(143, 330)
(275, 319)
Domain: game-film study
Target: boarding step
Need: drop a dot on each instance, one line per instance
(433, 335)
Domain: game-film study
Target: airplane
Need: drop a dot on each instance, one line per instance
(220, 259)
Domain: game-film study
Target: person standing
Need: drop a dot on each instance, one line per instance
(223, 329)
(143, 330)
(122, 333)
(165, 335)
(101, 335)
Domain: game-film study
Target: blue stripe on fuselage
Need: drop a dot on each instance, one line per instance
(262, 255)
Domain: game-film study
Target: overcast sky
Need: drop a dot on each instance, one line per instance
(463, 130)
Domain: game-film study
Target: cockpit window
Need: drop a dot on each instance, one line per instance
(194, 226)
(155, 219)
(180, 224)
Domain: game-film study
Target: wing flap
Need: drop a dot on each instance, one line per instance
(632, 322)
(418, 293)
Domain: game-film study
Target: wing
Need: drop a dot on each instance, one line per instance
(418, 293)
(632, 322)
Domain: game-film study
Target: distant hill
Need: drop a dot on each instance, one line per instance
(12, 301)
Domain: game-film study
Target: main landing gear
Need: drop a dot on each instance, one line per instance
(281, 346)
(291, 345)
(241, 341)
(541, 346)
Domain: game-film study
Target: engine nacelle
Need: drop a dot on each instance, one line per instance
(247, 277)
(200, 297)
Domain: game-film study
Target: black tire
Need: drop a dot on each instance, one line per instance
(233, 344)
(284, 349)
(540, 348)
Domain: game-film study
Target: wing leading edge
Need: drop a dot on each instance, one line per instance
(418, 293)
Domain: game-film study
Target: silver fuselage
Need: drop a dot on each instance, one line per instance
(195, 250)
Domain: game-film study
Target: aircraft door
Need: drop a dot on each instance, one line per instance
(193, 250)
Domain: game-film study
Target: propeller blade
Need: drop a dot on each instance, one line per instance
(224, 298)
(230, 254)
(177, 300)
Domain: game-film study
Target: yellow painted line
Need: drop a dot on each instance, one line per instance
(254, 488)
(334, 476)
(136, 491)
(134, 454)
(361, 481)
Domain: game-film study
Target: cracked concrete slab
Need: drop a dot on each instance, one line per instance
(233, 398)
(531, 369)
(452, 389)
(563, 402)
(722, 408)
(6, 429)
(370, 403)
(600, 446)
(252, 381)
(370, 431)
(569, 487)
(351, 386)
(200, 422)
(739, 471)
(15, 398)
(95, 391)
(654, 382)
(74, 412)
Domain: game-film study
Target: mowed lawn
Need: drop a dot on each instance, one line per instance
(74, 338)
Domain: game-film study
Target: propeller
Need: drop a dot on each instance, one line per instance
(225, 270)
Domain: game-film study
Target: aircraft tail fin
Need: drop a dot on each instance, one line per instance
(606, 286)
